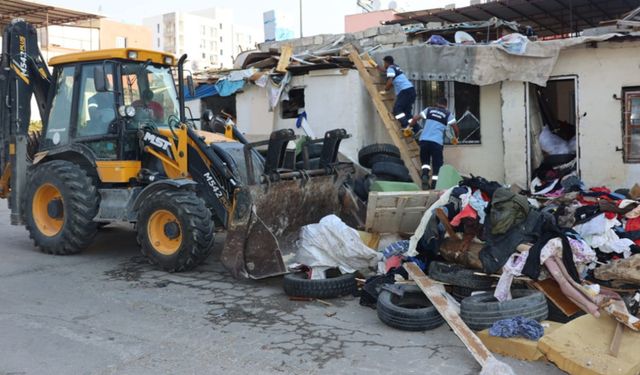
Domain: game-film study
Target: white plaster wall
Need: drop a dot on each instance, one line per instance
(514, 134)
(602, 72)
(485, 159)
(333, 99)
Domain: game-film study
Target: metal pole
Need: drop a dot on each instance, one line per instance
(300, 7)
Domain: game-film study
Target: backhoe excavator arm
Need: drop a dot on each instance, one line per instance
(23, 73)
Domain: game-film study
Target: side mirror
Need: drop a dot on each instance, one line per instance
(192, 90)
(100, 78)
(207, 116)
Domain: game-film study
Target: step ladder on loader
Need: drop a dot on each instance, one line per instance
(374, 82)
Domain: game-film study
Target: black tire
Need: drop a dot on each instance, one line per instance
(391, 172)
(196, 229)
(411, 312)
(297, 285)
(482, 310)
(460, 292)
(556, 315)
(79, 202)
(366, 153)
(380, 158)
(457, 275)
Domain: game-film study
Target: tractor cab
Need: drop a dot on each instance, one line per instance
(100, 100)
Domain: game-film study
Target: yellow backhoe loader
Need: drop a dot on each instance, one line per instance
(116, 146)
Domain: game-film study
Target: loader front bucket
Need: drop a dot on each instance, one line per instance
(265, 234)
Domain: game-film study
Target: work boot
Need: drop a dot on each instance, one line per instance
(408, 132)
(426, 183)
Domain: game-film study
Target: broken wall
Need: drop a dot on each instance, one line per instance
(388, 36)
(334, 98)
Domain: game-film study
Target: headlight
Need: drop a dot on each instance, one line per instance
(130, 111)
(168, 60)
(133, 55)
(126, 111)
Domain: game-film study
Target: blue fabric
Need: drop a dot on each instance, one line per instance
(434, 130)
(202, 91)
(299, 119)
(228, 88)
(396, 248)
(419, 262)
(518, 326)
(400, 80)
(438, 40)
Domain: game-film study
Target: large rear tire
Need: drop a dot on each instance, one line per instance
(175, 229)
(59, 205)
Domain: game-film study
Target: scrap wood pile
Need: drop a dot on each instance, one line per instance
(512, 260)
(277, 65)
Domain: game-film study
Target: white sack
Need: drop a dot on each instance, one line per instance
(331, 243)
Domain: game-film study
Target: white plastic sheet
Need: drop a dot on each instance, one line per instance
(555, 145)
(331, 243)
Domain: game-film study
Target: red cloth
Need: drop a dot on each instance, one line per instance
(468, 211)
(632, 225)
(601, 189)
(393, 262)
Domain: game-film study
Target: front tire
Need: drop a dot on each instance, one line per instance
(175, 230)
(60, 203)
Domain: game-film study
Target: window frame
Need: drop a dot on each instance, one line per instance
(629, 93)
(424, 100)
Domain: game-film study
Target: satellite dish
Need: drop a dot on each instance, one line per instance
(463, 37)
(375, 5)
(393, 5)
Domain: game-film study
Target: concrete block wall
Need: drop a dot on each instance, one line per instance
(389, 36)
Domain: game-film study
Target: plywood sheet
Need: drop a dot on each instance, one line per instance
(397, 212)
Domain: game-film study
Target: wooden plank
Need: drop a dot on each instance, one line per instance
(614, 348)
(389, 122)
(550, 288)
(447, 226)
(436, 295)
(285, 57)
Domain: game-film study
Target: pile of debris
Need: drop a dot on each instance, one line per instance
(508, 259)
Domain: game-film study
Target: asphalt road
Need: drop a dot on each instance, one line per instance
(107, 311)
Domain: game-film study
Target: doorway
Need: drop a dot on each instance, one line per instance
(553, 124)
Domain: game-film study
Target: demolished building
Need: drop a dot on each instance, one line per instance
(579, 87)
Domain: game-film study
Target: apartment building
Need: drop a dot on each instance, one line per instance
(209, 37)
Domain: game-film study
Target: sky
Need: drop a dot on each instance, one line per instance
(318, 16)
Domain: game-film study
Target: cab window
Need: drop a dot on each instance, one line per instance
(96, 110)
(60, 113)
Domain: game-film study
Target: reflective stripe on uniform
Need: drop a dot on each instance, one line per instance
(426, 166)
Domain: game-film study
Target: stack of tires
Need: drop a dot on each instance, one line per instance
(385, 164)
(479, 309)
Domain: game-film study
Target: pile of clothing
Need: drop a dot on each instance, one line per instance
(565, 236)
